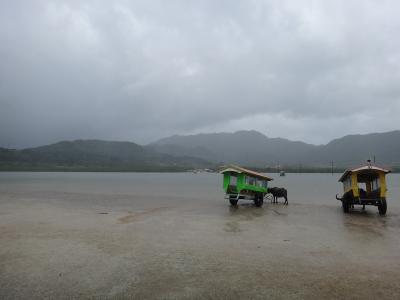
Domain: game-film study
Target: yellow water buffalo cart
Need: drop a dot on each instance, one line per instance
(365, 185)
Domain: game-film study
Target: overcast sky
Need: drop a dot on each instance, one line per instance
(141, 70)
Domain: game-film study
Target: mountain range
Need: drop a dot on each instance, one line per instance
(251, 148)
(178, 153)
(95, 155)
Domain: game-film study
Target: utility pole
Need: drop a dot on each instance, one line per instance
(332, 167)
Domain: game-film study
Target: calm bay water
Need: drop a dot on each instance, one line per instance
(204, 187)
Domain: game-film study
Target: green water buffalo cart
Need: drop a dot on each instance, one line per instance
(244, 184)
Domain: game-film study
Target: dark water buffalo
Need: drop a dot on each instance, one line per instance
(278, 193)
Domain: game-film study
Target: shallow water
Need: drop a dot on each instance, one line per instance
(302, 188)
(173, 236)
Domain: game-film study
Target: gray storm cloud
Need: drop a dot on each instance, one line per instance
(140, 70)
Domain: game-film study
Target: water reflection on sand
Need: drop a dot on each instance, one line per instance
(173, 236)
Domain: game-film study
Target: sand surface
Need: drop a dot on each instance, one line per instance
(81, 244)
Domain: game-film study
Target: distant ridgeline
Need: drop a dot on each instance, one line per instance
(253, 149)
(95, 155)
(182, 153)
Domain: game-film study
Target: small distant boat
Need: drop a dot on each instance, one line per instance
(365, 185)
(240, 183)
(282, 173)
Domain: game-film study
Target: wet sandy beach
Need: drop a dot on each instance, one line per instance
(103, 236)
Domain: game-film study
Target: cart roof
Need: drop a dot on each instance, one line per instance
(237, 169)
(363, 169)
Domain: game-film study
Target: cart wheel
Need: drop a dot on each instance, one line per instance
(382, 207)
(233, 202)
(345, 205)
(259, 200)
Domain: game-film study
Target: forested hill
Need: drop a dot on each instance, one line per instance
(95, 155)
(179, 153)
(252, 148)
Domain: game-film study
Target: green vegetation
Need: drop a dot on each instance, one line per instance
(253, 149)
(177, 154)
(95, 156)
(80, 168)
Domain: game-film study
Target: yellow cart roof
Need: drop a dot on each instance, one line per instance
(362, 169)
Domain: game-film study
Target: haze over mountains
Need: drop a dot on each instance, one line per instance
(95, 155)
(252, 148)
(177, 153)
(249, 148)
